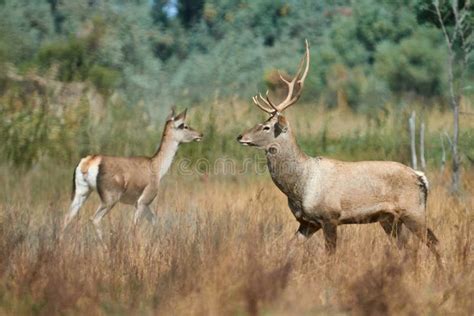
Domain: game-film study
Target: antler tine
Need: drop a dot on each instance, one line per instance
(269, 102)
(263, 108)
(306, 70)
(283, 79)
(290, 99)
(299, 79)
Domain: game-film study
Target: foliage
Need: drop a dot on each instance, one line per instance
(144, 56)
(168, 50)
(414, 66)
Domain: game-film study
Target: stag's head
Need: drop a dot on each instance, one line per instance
(276, 128)
(177, 128)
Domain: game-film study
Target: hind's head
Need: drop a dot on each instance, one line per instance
(179, 130)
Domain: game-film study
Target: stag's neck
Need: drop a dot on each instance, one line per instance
(287, 165)
(162, 159)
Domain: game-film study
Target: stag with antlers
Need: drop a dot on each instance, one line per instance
(324, 193)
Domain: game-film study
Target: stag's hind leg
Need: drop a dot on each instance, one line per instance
(394, 229)
(418, 227)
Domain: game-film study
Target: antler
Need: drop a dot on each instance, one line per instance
(299, 78)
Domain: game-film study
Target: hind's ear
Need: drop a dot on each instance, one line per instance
(172, 114)
(181, 116)
(281, 125)
(179, 119)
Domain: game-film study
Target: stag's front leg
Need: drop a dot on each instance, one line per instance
(330, 237)
(303, 233)
(306, 228)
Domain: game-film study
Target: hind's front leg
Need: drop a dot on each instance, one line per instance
(143, 204)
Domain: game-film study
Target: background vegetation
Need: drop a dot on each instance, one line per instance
(74, 74)
(99, 76)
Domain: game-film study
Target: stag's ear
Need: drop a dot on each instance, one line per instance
(281, 125)
(172, 114)
(179, 119)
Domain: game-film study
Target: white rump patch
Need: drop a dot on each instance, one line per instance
(90, 171)
(423, 178)
(82, 186)
(91, 175)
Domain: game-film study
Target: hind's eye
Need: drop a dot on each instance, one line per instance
(266, 128)
(181, 126)
(185, 126)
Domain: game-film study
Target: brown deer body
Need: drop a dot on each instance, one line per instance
(129, 180)
(324, 193)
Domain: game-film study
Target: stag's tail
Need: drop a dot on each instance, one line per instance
(424, 185)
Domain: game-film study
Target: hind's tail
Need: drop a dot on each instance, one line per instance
(73, 192)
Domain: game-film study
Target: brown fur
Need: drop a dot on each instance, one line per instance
(324, 193)
(127, 176)
(129, 180)
(89, 161)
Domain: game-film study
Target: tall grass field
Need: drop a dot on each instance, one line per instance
(220, 245)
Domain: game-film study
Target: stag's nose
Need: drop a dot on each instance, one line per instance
(239, 138)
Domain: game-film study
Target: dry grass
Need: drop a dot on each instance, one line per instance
(220, 248)
(220, 245)
(310, 118)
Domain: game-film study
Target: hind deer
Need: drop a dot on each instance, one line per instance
(324, 193)
(129, 180)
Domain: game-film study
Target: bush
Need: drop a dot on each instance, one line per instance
(104, 79)
(71, 56)
(415, 66)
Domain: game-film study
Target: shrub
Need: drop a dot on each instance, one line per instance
(414, 66)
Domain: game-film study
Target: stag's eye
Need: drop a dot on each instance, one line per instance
(266, 128)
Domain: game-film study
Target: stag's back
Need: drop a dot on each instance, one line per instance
(346, 187)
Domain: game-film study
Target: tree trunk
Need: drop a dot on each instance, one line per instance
(412, 124)
(456, 177)
(422, 146)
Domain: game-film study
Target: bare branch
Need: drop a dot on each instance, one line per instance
(441, 22)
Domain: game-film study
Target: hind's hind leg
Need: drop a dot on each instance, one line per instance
(81, 194)
(418, 227)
